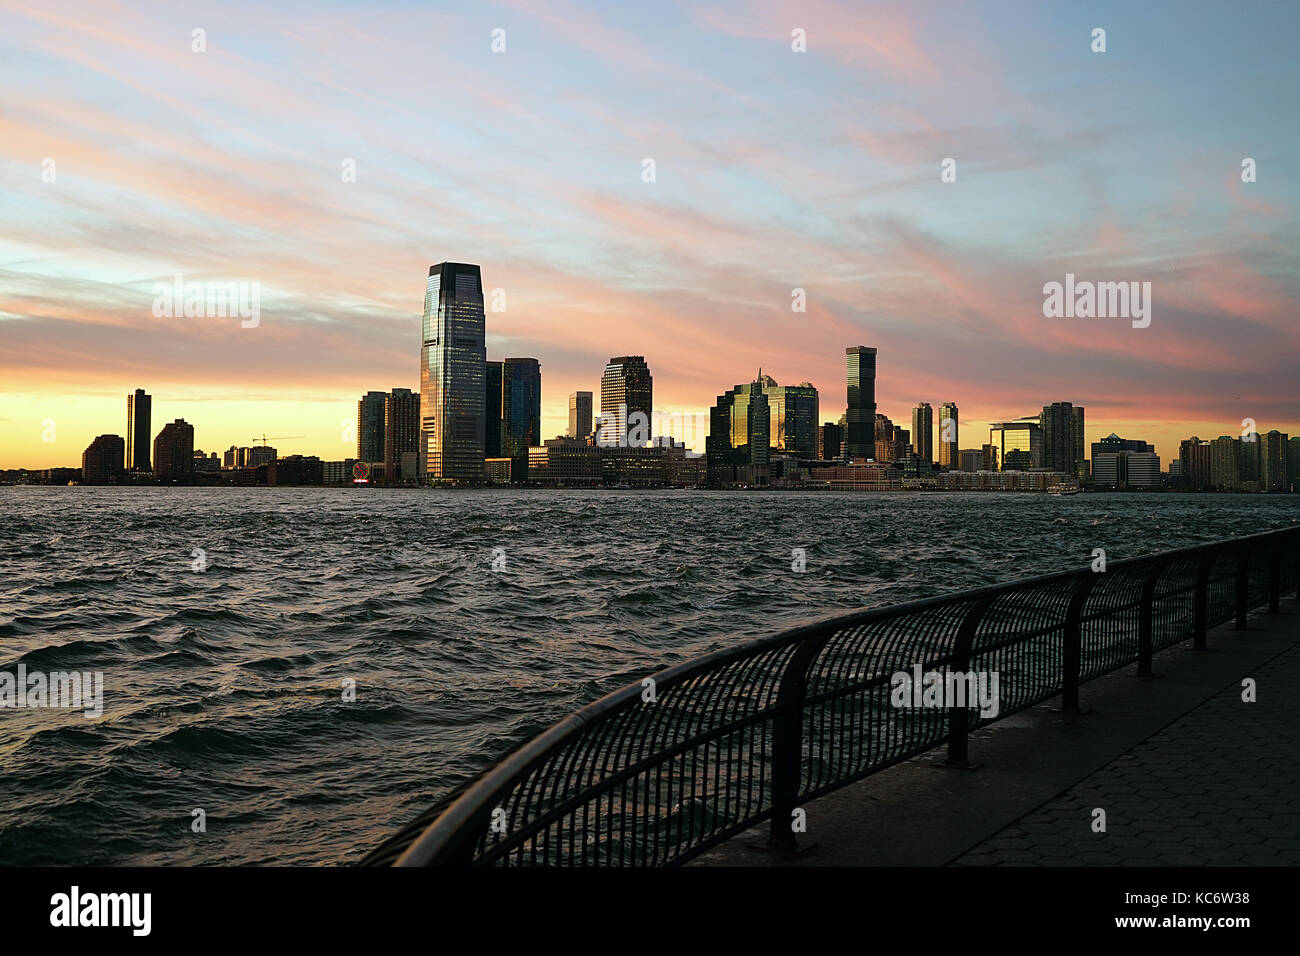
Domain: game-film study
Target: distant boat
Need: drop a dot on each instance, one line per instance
(1062, 490)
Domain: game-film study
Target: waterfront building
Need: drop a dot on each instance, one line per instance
(521, 411)
(1062, 438)
(739, 434)
(173, 451)
(1225, 463)
(859, 435)
(794, 413)
(1273, 461)
(923, 432)
(103, 460)
(337, 472)
(497, 470)
(296, 470)
(948, 449)
(139, 415)
(830, 439)
(260, 455)
(626, 389)
(1195, 457)
(453, 387)
(370, 426)
(402, 435)
(1018, 444)
(579, 415)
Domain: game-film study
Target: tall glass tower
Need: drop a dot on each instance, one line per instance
(452, 374)
(139, 411)
(860, 419)
(626, 387)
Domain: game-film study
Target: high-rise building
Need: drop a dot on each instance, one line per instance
(740, 434)
(492, 412)
(1124, 463)
(1293, 464)
(370, 426)
(1062, 431)
(1195, 457)
(579, 414)
(173, 451)
(139, 413)
(453, 359)
(859, 437)
(1273, 461)
(948, 435)
(830, 439)
(1225, 463)
(521, 412)
(103, 460)
(1018, 444)
(401, 433)
(1080, 460)
(923, 432)
(794, 414)
(626, 388)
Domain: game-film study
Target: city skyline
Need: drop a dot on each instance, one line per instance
(1080, 164)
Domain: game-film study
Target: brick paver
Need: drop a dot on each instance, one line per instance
(1219, 787)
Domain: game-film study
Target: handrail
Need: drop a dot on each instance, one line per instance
(741, 735)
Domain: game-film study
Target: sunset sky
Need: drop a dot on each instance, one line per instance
(774, 170)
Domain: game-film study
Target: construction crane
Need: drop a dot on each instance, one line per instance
(276, 438)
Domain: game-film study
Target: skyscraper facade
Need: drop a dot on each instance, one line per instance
(1080, 459)
(794, 414)
(948, 449)
(139, 412)
(1273, 461)
(401, 433)
(1018, 444)
(453, 359)
(521, 412)
(370, 426)
(173, 451)
(1062, 437)
(740, 433)
(860, 419)
(492, 412)
(579, 415)
(923, 432)
(627, 387)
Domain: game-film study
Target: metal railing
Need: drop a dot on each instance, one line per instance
(662, 770)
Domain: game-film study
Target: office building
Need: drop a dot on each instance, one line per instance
(948, 448)
(1124, 463)
(923, 432)
(173, 451)
(1018, 444)
(794, 413)
(579, 414)
(739, 438)
(492, 412)
(453, 359)
(521, 411)
(626, 389)
(1273, 462)
(1225, 463)
(139, 416)
(859, 436)
(1062, 437)
(830, 439)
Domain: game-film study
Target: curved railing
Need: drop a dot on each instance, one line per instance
(661, 770)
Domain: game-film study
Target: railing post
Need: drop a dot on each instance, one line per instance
(959, 717)
(1072, 649)
(1274, 577)
(1145, 614)
(1243, 584)
(787, 740)
(1201, 599)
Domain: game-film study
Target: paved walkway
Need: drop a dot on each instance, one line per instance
(1187, 773)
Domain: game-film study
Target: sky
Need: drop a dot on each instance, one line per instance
(129, 156)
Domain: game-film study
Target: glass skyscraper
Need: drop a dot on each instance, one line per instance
(453, 383)
(521, 412)
(370, 426)
(860, 419)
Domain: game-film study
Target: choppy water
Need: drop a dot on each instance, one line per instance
(223, 687)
